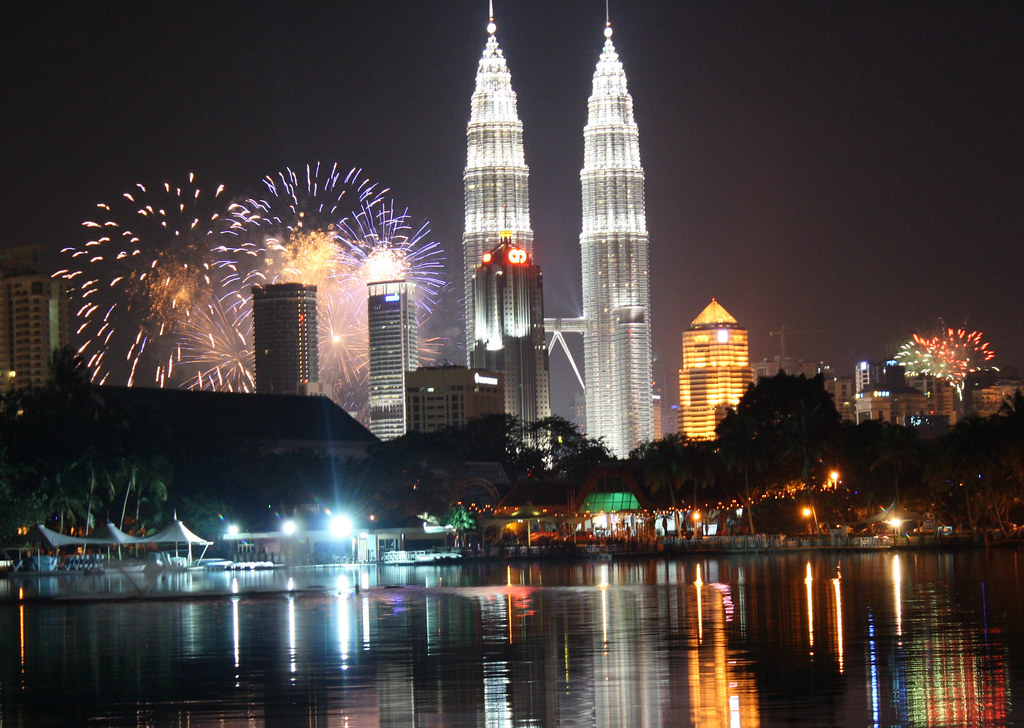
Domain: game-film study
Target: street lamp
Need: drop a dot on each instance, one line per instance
(834, 477)
(288, 528)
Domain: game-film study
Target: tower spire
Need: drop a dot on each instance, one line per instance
(614, 252)
(496, 177)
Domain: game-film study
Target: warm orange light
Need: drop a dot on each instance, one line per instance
(487, 257)
(516, 256)
(807, 512)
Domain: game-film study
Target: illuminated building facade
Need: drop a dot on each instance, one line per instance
(496, 175)
(450, 395)
(394, 350)
(614, 245)
(509, 306)
(34, 318)
(284, 333)
(715, 373)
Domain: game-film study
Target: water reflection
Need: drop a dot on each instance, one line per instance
(914, 639)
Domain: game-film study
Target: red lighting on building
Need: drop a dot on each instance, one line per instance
(516, 256)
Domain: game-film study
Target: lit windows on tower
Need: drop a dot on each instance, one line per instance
(715, 373)
(509, 326)
(284, 332)
(394, 350)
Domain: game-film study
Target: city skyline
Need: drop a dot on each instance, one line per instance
(852, 170)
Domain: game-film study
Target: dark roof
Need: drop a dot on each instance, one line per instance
(287, 420)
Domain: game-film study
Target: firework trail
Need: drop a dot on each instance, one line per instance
(951, 355)
(139, 279)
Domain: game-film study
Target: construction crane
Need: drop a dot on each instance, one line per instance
(782, 333)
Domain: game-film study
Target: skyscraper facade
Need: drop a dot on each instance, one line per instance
(509, 308)
(284, 333)
(34, 318)
(614, 245)
(715, 373)
(394, 350)
(496, 175)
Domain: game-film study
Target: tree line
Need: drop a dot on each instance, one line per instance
(70, 459)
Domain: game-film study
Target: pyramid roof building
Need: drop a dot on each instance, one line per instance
(713, 315)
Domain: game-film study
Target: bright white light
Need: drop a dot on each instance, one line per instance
(232, 530)
(341, 527)
(288, 528)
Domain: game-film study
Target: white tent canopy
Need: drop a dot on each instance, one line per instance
(110, 535)
(175, 532)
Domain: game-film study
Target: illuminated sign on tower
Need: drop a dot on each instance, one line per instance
(509, 308)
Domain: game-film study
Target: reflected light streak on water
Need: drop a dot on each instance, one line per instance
(234, 630)
(647, 649)
(698, 583)
(366, 623)
(873, 656)
(837, 588)
(342, 605)
(896, 589)
(808, 584)
(291, 633)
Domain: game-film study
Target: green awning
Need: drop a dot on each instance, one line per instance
(609, 502)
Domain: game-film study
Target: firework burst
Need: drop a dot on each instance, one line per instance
(951, 355)
(324, 229)
(139, 278)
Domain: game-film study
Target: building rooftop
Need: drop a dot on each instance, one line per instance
(713, 315)
(286, 421)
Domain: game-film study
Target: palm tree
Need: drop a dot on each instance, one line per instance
(741, 450)
(64, 493)
(807, 432)
(698, 469)
(663, 467)
(145, 477)
(898, 448)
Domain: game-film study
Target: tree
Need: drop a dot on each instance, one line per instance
(698, 470)
(461, 521)
(663, 467)
(897, 448)
(741, 451)
(568, 454)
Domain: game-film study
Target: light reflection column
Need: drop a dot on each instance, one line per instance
(808, 582)
(897, 593)
(837, 589)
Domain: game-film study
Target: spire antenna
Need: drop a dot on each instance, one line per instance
(491, 27)
(607, 19)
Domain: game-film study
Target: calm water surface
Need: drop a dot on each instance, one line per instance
(877, 639)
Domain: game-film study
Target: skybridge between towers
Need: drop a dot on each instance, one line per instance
(558, 326)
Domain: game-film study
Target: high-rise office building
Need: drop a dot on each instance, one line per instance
(284, 334)
(34, 318)
(509, 308)
(496, 175)
(450, 396)
(616, 289)
(715, 373)
(394, 350)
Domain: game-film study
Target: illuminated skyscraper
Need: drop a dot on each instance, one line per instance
(394, 350)
(616, 290)
(715, 373)
(34, 318)
(509, 306)
(497, 190)
(284, 337)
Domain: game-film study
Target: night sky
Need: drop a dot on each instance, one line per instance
(848, 169)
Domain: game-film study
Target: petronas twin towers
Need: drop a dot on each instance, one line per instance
(616, 293)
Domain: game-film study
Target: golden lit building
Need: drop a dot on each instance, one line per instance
(716, 371)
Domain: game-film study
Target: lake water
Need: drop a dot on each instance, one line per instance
(838, 639)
